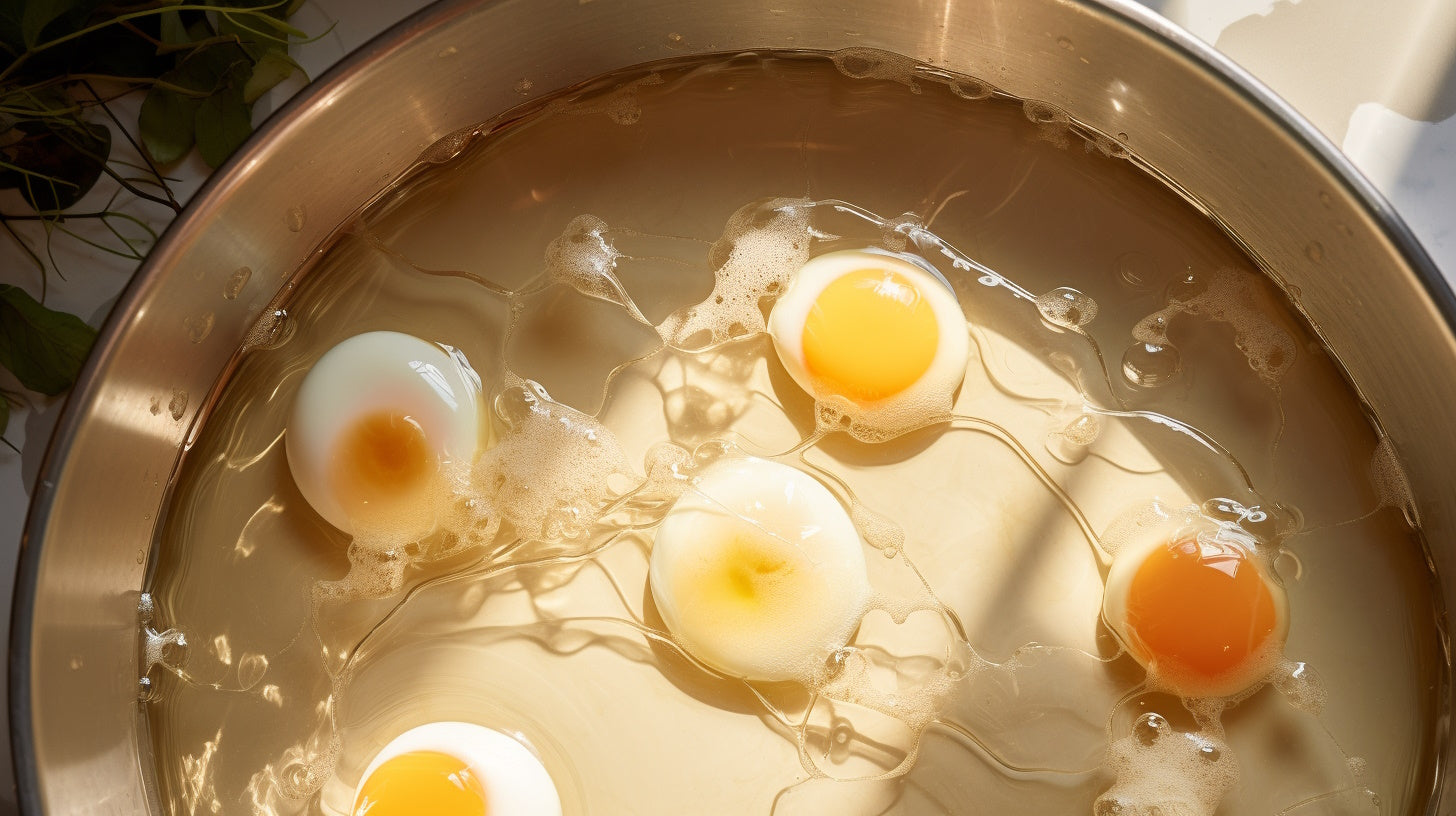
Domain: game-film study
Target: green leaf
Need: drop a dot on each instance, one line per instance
(168, 119)
(166, 123)
(38, 14)
(272, 68)
(61, 159)
(42, 347)
(207, 69)
(223, 123)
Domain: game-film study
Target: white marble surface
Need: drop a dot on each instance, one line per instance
(1378, 78)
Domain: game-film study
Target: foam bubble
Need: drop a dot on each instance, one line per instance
(1391, 483)
(877, 529)
(870, 63)
(1163, 772)
(620, 104)
(554, 468)
(584, 258)
(1053, 123)
(1239, 299)
(761, 248)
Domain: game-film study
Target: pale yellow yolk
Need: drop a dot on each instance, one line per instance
(380, 461)
(421, 782)
(747, 586)
(870, 335)
(747, 575)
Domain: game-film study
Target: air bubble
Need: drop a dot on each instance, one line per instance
(1150, 727)
(1138, 272)
(1043, 113)
(251, 668)
(841, 734)
(1315, 251)
(1288, 567)
(1067, 308)
(198, 327)
(177, 406)
(1149, 365)
(235, 282)
(971, 89)
(1300, 685)
(1065, 43)
(1070, 442)
(295, 218)
(1083, 430)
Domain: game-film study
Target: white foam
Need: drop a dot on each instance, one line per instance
(554, 468)
(1239, 299)
(762, 246)
(1163, 772)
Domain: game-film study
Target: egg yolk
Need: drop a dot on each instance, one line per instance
(1199, 610)
(870, 335)
(421, 782)
(748, 574)
(383, 458)
(746, 586)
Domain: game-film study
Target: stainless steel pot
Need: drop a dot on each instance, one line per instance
(1228, 143)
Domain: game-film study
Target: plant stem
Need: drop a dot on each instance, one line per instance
(122, 18)
(161, 180)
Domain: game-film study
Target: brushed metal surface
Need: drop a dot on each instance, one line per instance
(1234, 148)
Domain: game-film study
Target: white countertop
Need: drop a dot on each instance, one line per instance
(1379, 79)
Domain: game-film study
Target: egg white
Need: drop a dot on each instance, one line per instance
(806, 524)
(374, 372)
(514, 779)
(1129, 557)
(928, 396)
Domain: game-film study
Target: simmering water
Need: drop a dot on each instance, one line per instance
(604, 261)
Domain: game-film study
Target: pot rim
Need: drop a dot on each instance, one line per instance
(88, 385)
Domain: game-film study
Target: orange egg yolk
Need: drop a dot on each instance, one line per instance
(1198, 611)
(381, 459)
(421, 782)
(870, 335)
